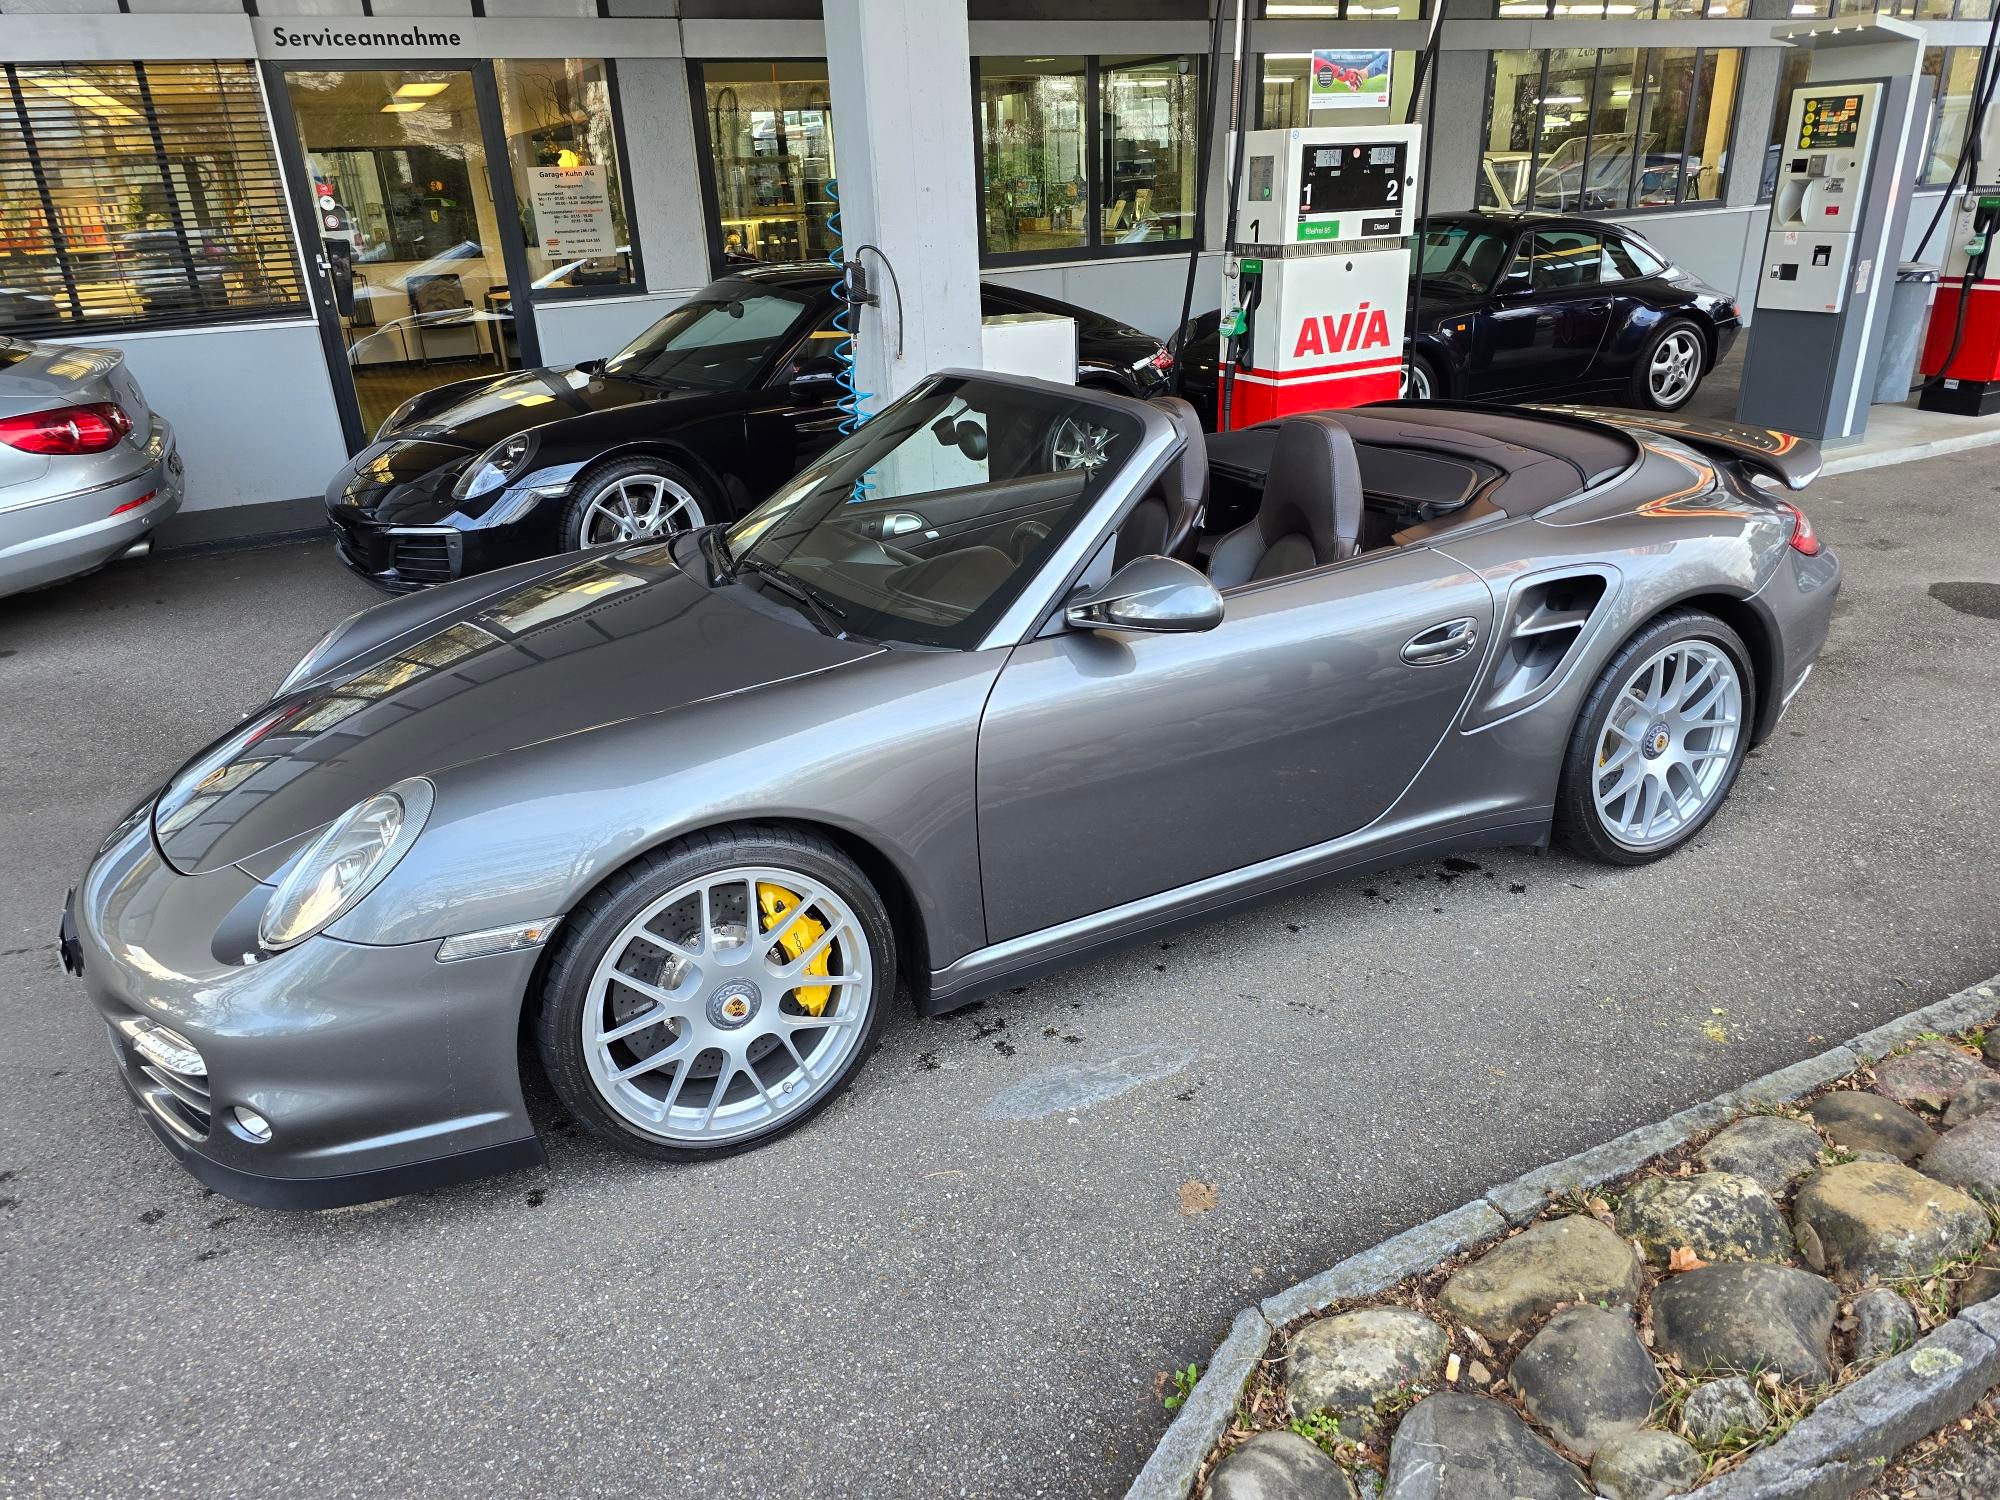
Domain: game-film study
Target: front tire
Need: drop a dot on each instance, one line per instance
(1671, 370)
(634, 499)
(673, 1021)
(1659, 741)
(1420, 379)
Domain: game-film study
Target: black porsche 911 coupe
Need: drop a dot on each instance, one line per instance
(1519, 306)
(691, 423)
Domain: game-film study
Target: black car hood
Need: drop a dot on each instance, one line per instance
(502, 407)
(616, 636)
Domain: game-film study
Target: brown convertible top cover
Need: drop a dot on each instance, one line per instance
(1542, 460)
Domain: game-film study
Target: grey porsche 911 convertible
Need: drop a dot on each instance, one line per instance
(690, 813)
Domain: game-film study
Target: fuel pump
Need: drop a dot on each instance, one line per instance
(1316, 278)
(1843, 160)
(1962, 344)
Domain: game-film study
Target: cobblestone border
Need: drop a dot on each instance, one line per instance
(1843, 1444)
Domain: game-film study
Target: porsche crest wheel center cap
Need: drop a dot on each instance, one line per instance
(1657, 740)
(734, 1005)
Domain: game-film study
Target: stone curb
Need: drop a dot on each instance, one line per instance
(1881, 1413)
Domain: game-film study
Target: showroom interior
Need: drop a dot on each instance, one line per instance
(163, 160)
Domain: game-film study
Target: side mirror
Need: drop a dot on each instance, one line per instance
(817, 376)
(1514, 284)
(589, 366)
(1155, 595)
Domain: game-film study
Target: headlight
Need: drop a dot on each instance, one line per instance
(395, 418)
(495, 466)
(309, 663)
(345, 863)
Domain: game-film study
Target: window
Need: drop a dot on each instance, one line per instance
(717, 340)
(1463, 256)
(1797, 60)
(139, 193)
(1952, 70)
(1562, 260)
(1344, 10)
(1284, 98)
(1079, 155)
(562, 146)
(770, 149)
(1628, 260)
(1593, 130)
(1033, 146)
(1922, 10)
(1002, 474)
(1621, 10)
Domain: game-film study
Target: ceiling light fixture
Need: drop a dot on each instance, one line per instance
(422, 90)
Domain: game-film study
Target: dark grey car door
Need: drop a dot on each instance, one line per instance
(1113, 767)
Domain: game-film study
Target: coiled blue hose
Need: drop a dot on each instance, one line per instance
(853, 399)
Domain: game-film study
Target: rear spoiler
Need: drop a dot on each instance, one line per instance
(1793, 461)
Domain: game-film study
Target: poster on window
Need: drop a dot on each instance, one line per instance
(572, 208)
(1349, 80)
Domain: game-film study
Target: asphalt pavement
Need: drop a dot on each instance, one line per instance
(964, 1277)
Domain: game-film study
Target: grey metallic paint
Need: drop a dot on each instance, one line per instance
(1047, 795)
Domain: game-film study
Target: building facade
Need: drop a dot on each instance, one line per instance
(294, 214)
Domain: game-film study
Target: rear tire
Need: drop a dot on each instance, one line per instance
(1672, 368)
(731, 1056)
(1658, 742)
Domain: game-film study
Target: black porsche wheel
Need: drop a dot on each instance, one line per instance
(1659, 741)
(716, 993)
(632, 499)
(1670, 371)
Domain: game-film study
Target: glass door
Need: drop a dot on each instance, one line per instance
(418, 241)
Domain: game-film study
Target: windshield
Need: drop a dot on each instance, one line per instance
(926, 524)
(1463, 255)
(716, 341)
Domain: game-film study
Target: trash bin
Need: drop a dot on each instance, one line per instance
(1903, 339)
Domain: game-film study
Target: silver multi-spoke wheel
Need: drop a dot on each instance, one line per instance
(1675, 368)
(637, 506)
(1666, 749)
(1079, 443)
(1416, 382)
(727, 1005)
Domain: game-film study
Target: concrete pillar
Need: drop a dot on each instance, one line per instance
(901, 78)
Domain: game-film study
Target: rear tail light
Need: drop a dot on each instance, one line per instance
(64, 430)
(1804, 539)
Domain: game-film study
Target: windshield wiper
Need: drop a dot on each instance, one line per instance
(824, 611)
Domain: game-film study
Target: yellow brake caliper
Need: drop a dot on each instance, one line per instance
(777, 904)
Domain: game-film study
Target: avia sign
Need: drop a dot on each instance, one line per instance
(1364, 328)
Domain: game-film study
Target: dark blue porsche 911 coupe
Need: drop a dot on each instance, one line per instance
(1517, 306)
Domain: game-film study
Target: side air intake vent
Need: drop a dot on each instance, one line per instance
(1545, 621)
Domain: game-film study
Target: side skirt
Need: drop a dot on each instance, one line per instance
(1033, 954)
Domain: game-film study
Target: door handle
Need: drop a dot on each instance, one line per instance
(897, 523)
(1441, 643)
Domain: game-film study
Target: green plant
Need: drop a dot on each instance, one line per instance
(1180, 1386)
(1322, 1429)
(1399, 1399)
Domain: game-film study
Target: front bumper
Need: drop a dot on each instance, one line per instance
(379, 1070)
(49, 539)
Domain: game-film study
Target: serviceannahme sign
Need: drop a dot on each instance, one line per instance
(293, 37)
(365, 38)
(572, 208)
